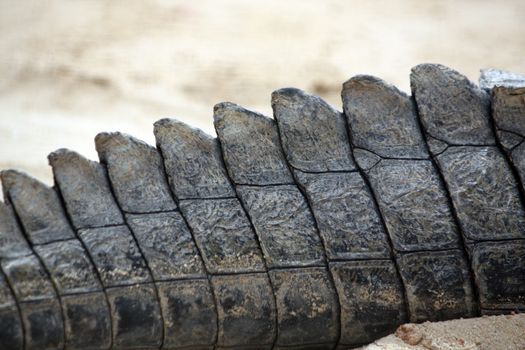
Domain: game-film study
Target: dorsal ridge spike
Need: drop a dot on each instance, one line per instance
(166, 123)
(222, 110)
(298, 97)
(10, 177)
(104, 141)
(286, 93)
(66, 153)
(371, 80)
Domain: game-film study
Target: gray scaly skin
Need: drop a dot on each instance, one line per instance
(313, 230)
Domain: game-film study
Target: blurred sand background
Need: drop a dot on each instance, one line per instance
(70, 69)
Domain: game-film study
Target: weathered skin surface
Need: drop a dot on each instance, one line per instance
(120, 263)
(308, 307)
(343, 207)
(169, 248)
(224, 235)
(414, 205)
(190, 317)
(115, 255)
(11, 332)
(82, 303)
(193, 161)
(346, 216)
(411, 198)
(167, 244)
(87, 320)
(500, 274)
(39, 309)
(503, 264)
(482, 187)
(246, 310)
(249, 140)
(244, 298)
(375, 285)
(135, 192)
(69, 266)
(284, 224)
(487, 209)
(28, 278)
(136, 316)
(43, 324)
(85, 188)
(438, 285)
(452, 109)
(508, 111)
(38, 208)
(313, 230)
(313, 134)
(12, 242)
(390, 128)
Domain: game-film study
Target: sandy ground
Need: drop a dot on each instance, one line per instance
(484, 333)
(70, 69)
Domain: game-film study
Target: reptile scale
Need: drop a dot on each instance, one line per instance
(317, 229)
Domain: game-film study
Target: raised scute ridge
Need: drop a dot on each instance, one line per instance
(193, 161)
(508, 111)
(38, 207)
(412, 200)
(12, 243)
(248, 142)
(136, 172)
(346, 218)
(72, 274)
(313, 133)
(480, 179)
(244, 303)
(380, 116)
(390, 128)
(452, 109)
(285, 226)
(85, 188)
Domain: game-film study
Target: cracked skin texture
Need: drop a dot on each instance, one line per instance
(317, 229)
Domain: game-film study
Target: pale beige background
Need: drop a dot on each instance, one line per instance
(69, 69)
